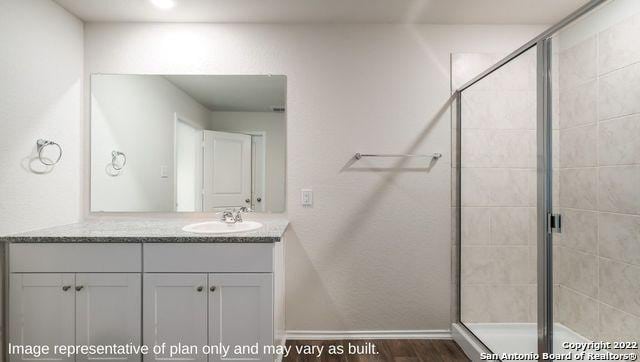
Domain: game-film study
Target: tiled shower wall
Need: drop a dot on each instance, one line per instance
(498, 202)
(597, 258)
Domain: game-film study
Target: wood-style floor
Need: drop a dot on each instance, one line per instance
(405, 350)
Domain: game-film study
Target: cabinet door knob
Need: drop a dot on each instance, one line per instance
(66, 287)
(213, 289)
(200, 288)
(79, 288)
(247, 200)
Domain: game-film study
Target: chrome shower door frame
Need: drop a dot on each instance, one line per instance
(544, 198)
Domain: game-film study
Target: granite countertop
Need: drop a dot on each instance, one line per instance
(149, 230)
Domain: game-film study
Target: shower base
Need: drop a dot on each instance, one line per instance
(511, 338)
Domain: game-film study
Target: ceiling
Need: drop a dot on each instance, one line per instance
(328, 11)
(234, 93)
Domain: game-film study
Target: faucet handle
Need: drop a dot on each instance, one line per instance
(245, 209)
(227, 214)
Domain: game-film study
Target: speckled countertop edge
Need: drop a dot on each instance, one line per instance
(148, 230)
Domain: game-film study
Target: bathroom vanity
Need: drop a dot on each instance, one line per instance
(147, 282)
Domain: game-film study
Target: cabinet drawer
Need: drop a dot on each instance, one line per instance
(75, 258)
(210, 258)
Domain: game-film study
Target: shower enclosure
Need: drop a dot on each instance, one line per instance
(547, 188)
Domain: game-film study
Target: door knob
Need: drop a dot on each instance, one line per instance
(200, 288)
(259, 199)
(213, 289)
(66, 287)
(79, 288)
(247, 201)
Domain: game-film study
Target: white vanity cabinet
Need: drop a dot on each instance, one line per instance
(175, 310)
(208, 309)
(42, 311)
(154, 293)
(241, 311)
(62, 294)
(217, 294)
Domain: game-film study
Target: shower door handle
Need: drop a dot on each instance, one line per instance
(554, 223)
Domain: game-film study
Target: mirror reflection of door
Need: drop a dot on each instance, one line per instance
(227, 170)
(188, 170)
(243, 116)
(258, 156)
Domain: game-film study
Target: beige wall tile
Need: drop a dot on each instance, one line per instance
(533, 303)
(578, 64)
(619, 237)
(619, 94)
(620, 285)
(555, 149)
(510, 225)
(498, 109)
(494, 265)
(619, 141)
(579, 231)
(533, 265)
(579, 146)
(518, 74)
(578, 312)
(619, 189)
(496, 148)
(476, 225)
(495, 303)
(578, 188)
(533, 226)
(618, 45)
(578, 271)
(616, 325)
(495, 187)
(578, 105)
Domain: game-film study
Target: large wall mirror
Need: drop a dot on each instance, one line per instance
(187, 143)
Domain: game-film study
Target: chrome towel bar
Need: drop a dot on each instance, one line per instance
(361, 155)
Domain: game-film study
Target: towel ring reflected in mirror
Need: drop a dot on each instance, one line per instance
(41, 145)
(115, 157)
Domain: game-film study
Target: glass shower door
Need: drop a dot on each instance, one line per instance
(498, 202)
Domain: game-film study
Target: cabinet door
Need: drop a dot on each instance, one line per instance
(175, 311)
(107, 312)
(241, 312)
(41, 312)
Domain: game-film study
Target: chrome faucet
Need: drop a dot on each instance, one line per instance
(232, 216)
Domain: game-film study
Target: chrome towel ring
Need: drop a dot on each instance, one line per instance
(41, 144)
(115, 155)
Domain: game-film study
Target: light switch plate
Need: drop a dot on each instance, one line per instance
(307, 197)
(164, 171)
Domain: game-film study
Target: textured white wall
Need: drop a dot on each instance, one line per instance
(41, 61)
(274, 126)
(374, 251)
(135, 115)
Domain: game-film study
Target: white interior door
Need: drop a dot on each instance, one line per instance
(107, 312)
(42, 309)
(258, 200)
(227, 170)
(175, 311)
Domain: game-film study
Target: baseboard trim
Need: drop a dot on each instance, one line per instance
(394, 334)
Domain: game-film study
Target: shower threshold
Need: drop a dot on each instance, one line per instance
(514, 338)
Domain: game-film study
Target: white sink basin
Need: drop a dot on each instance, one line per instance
(219, 227)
